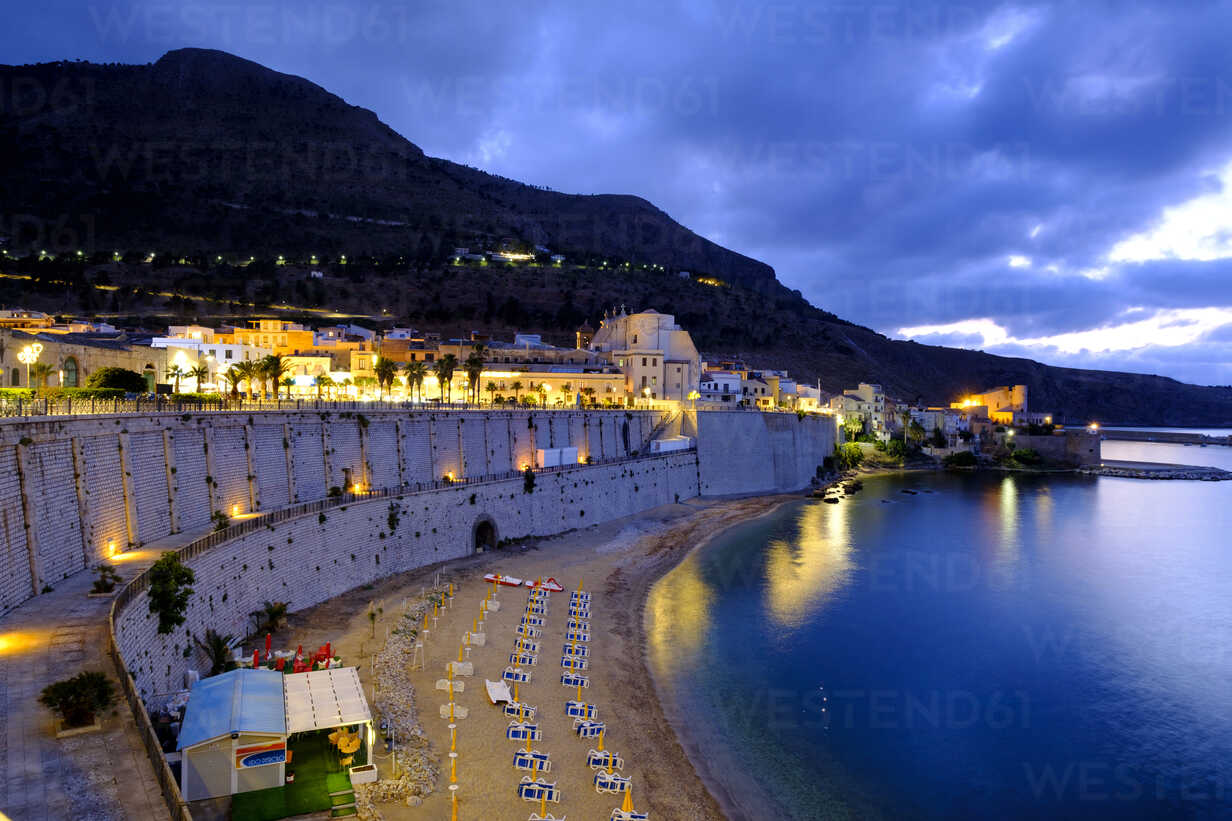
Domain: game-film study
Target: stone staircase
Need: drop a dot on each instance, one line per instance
(343, 803)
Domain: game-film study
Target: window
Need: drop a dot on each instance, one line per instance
(70, 373)
(16, 377)
(643, 361)
(635, 339)
(677, 369)
(229, 354)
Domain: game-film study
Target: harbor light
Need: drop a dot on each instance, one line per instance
(235, 510)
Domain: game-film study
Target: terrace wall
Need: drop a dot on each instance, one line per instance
(74, 489)
(299, 560)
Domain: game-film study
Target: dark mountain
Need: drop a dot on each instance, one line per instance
(204, 150)
(204, 154)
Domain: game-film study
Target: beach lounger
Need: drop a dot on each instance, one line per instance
(537, 610)
(521, 731)
(458, 686)
(570, 679)
(461, 668)
(579, 612)
(476, 639)
(610, 782)
(621, 815)
(498, 691)
(534, 761)
(492, 606)
(580, 709)
(526, 645)
(516, 674)
(588, 729)
(533, 621)
(528, 631)
(535, 790)
(573, 662)
(577, 635)
(529, 659)
(527, 712)
(577, 624)
(534, 816)
(579, 650)
(596, 760)
(458, 711)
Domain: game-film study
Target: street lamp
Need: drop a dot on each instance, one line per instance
(29, 355)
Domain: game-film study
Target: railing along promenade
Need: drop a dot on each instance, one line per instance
(176, 805)
(104, 407)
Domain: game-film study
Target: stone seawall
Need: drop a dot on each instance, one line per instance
(306, 560)
(747, 452)
(76, 490)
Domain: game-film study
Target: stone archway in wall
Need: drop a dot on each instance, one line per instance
(484, 535)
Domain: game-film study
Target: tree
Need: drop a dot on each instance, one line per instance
(491, 389)
(39, 372)
(904, 416)
(589, 393)
(80, 698)
(516, 387)
(416, 372)
(542, 388)
(169, 590)
(199, 373)
(386, 370)
(272, 369)
(853, 426)
(177, 373)
(249, 373)
(232, 378)
(287, 382)
(325, 383)
(121, 378)
(270, 617)
(474, 369)
(444, 368)
(217, 649)
(916, 432)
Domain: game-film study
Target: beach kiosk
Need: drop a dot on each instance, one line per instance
(326, 700)
(234, 736)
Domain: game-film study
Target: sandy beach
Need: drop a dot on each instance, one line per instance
(617, 563)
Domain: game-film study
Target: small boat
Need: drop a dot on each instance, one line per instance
(831, 500)
(511, 581)
(550, 584)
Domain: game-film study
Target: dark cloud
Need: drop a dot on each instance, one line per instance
(887, 158)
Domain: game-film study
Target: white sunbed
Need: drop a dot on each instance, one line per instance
(498, 691)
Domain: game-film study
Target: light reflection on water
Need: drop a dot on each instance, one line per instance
(1093, 613)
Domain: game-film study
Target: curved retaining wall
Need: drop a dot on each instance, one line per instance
(75, 489)
(313, 557)
(743, 452)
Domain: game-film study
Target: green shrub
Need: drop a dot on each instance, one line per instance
(121, 378)
(80, 698)
(848, 456)
(961, 459)
(169, 591)
(897, 449)
(83, 393)
(1027, 456)
(196, 397)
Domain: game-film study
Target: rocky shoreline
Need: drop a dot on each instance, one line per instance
(1202, 474)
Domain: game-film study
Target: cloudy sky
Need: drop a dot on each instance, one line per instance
(1043, 179)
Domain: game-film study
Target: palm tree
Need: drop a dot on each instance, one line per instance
(199, 372)
(905, 416)
(325, 382)
(516, 387)
(589, 393)
(177, 373)
(287, 382)
(474, 369)
(273, 369)
(542, 388)
(39, 372)
(415, 373)
(232, 377)
(386, 370)
(217, 648)
(247, 371)
(491, 389)
(444, 368)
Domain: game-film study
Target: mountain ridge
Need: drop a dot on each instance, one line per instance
(204, 153)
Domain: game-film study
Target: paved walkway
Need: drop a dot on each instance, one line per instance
(100, 776)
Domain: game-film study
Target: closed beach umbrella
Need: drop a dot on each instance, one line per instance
(628, 805)
(269, 641)
(299, 652)
(256, 658)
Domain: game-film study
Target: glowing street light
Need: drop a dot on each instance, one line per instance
(29, 355)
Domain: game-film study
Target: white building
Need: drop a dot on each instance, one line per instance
(657, 356)
(720, 386)
(218, 357)
(867, 400)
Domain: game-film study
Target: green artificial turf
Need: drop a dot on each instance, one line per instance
(316, 775)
